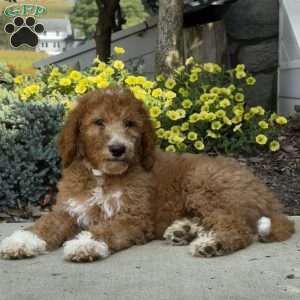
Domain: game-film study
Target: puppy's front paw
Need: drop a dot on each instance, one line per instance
(84, 248)
(22, 244)
(181, 232)
(206, 245)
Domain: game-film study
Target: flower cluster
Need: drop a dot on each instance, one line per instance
(199, 107)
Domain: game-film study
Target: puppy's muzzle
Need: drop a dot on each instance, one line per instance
(117, 150)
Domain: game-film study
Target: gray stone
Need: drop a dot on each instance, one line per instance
(262, 93)
(263, 271)
(260, 57)
(251, 19)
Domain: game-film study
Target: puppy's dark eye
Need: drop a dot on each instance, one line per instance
(99, 122)
(129, 124)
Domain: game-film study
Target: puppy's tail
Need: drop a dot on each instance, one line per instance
(275, 228)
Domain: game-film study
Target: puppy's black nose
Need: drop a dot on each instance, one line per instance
(117, 149)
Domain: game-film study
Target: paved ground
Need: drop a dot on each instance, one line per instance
(157, 272)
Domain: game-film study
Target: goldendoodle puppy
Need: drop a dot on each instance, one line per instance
(118, 191)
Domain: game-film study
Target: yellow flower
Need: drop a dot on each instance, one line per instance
(69, 105)
(155, 111)
(247, 116)
(160, 133)
(176, 129)
(171, 148)
(139, 93)
(173, 115)
(251, 80)
(157, 93)
(183, 92)
(19, 79)
(199, 145)
(64, 82)
(211, 116)
(212, 68)
(131, 80)
(189, 60)
(216, 125)
(156, 124)
(236, 119)
(80, 89)
(118, 64)
(211, 134)
(181, 113)
(261, 139)
(240, 74)
(75, 75)
(238, 111)
(257, 110)
(240, 68)
(274, 146)
(185, 126)
(239, 97)
(263, 124)
(193, 77)
(119, 50)
(54, 72)
(281, 120)
(192, 136)
(215, 90)
(160, 77)
(187, 103)
(109, 70)
(194, 118)
(170, 83)
(232, 87)
(196, 70)
(140, 80)
(170, 95)
(220, 113)
(102, 83)
(260, 110)
(101, 66)
(225, 103)
(148, 84)
(227, 121)
(167, 134)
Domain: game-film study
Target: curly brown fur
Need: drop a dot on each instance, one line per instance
(123, 192)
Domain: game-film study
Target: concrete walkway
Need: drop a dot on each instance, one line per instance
(157, 272)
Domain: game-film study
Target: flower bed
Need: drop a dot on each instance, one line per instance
(197, 108)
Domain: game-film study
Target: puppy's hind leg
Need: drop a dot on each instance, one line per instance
(222, 233)
(181, 232)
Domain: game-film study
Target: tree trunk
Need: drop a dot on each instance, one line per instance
(105, 26)
(170, 35)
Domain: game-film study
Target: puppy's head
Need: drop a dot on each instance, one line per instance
(111, 130)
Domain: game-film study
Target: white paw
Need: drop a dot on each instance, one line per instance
(22, 244)
(206, 245)
(84, 248)
(181, 232)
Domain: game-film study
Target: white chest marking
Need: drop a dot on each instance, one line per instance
(110, 204)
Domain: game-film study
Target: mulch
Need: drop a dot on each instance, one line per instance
(279, 170)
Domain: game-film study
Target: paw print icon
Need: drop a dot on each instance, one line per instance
(24, 32)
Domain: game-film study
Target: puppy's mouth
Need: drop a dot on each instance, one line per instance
(115, 166)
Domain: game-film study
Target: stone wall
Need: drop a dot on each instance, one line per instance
(252, 29)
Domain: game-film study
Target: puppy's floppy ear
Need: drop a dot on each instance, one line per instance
(68, 144)
(147, 144)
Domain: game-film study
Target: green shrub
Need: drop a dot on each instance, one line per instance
(28, 158)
